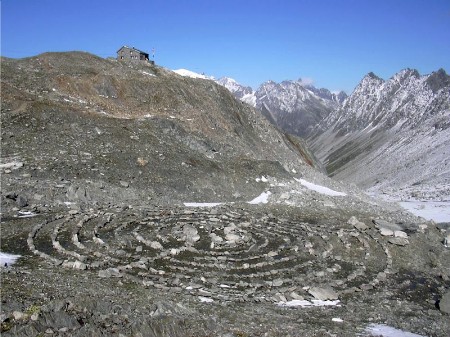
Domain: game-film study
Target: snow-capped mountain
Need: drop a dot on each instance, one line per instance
(391, 134)
(294, 106)
(245, 94)
(407, 98)
(338, 97)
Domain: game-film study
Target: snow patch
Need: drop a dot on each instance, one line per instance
(146, 73)
(26, 214)
(305, 303)
(337, 320)
(320, 189)
(263, 198)
(202, 204)
(12, 165)
(387, 331)
(191, 74)
(7, 259)
(249, 99)
(205, 299)
(438, 211)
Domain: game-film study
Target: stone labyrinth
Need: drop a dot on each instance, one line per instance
(217, 254)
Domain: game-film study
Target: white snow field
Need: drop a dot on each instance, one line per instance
(191, 74)
(438, 211)
(387, 331)
(305, 303)
(7, 259)
(263, 198)
(320, 189)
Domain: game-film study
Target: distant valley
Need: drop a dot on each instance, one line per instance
(390, 137)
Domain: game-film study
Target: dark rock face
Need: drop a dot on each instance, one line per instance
(438, 80)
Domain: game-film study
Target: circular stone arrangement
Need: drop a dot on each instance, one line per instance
(223, 253)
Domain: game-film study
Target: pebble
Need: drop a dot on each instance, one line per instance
(124, 183)
(18, 315)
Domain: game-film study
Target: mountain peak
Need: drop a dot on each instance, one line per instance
(438, 80)
(407, 72)
(372, 76)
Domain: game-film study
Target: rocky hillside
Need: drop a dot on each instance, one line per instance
(391, 134)
(293, 106)
(143, 126)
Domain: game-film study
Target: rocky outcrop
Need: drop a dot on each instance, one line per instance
(100, 124)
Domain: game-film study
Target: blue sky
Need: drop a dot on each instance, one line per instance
(333, 43)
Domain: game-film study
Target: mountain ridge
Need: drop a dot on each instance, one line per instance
(292, 105)
(384, 131)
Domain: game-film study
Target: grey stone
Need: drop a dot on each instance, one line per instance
(399, 241)
(295, 296)
(229, 229)
(447, 239)
(366, 287)
(444, 304)
(191, 233)
(18, 315)
(323, 293)
(156, 245)
(77, 193)
(357, 224)
(232, 237)
(386, 232)
(124, 183)
(110, 272)
(59, 319)
(21, 201)
(400, 234)
(277, 283)
(379, 223)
